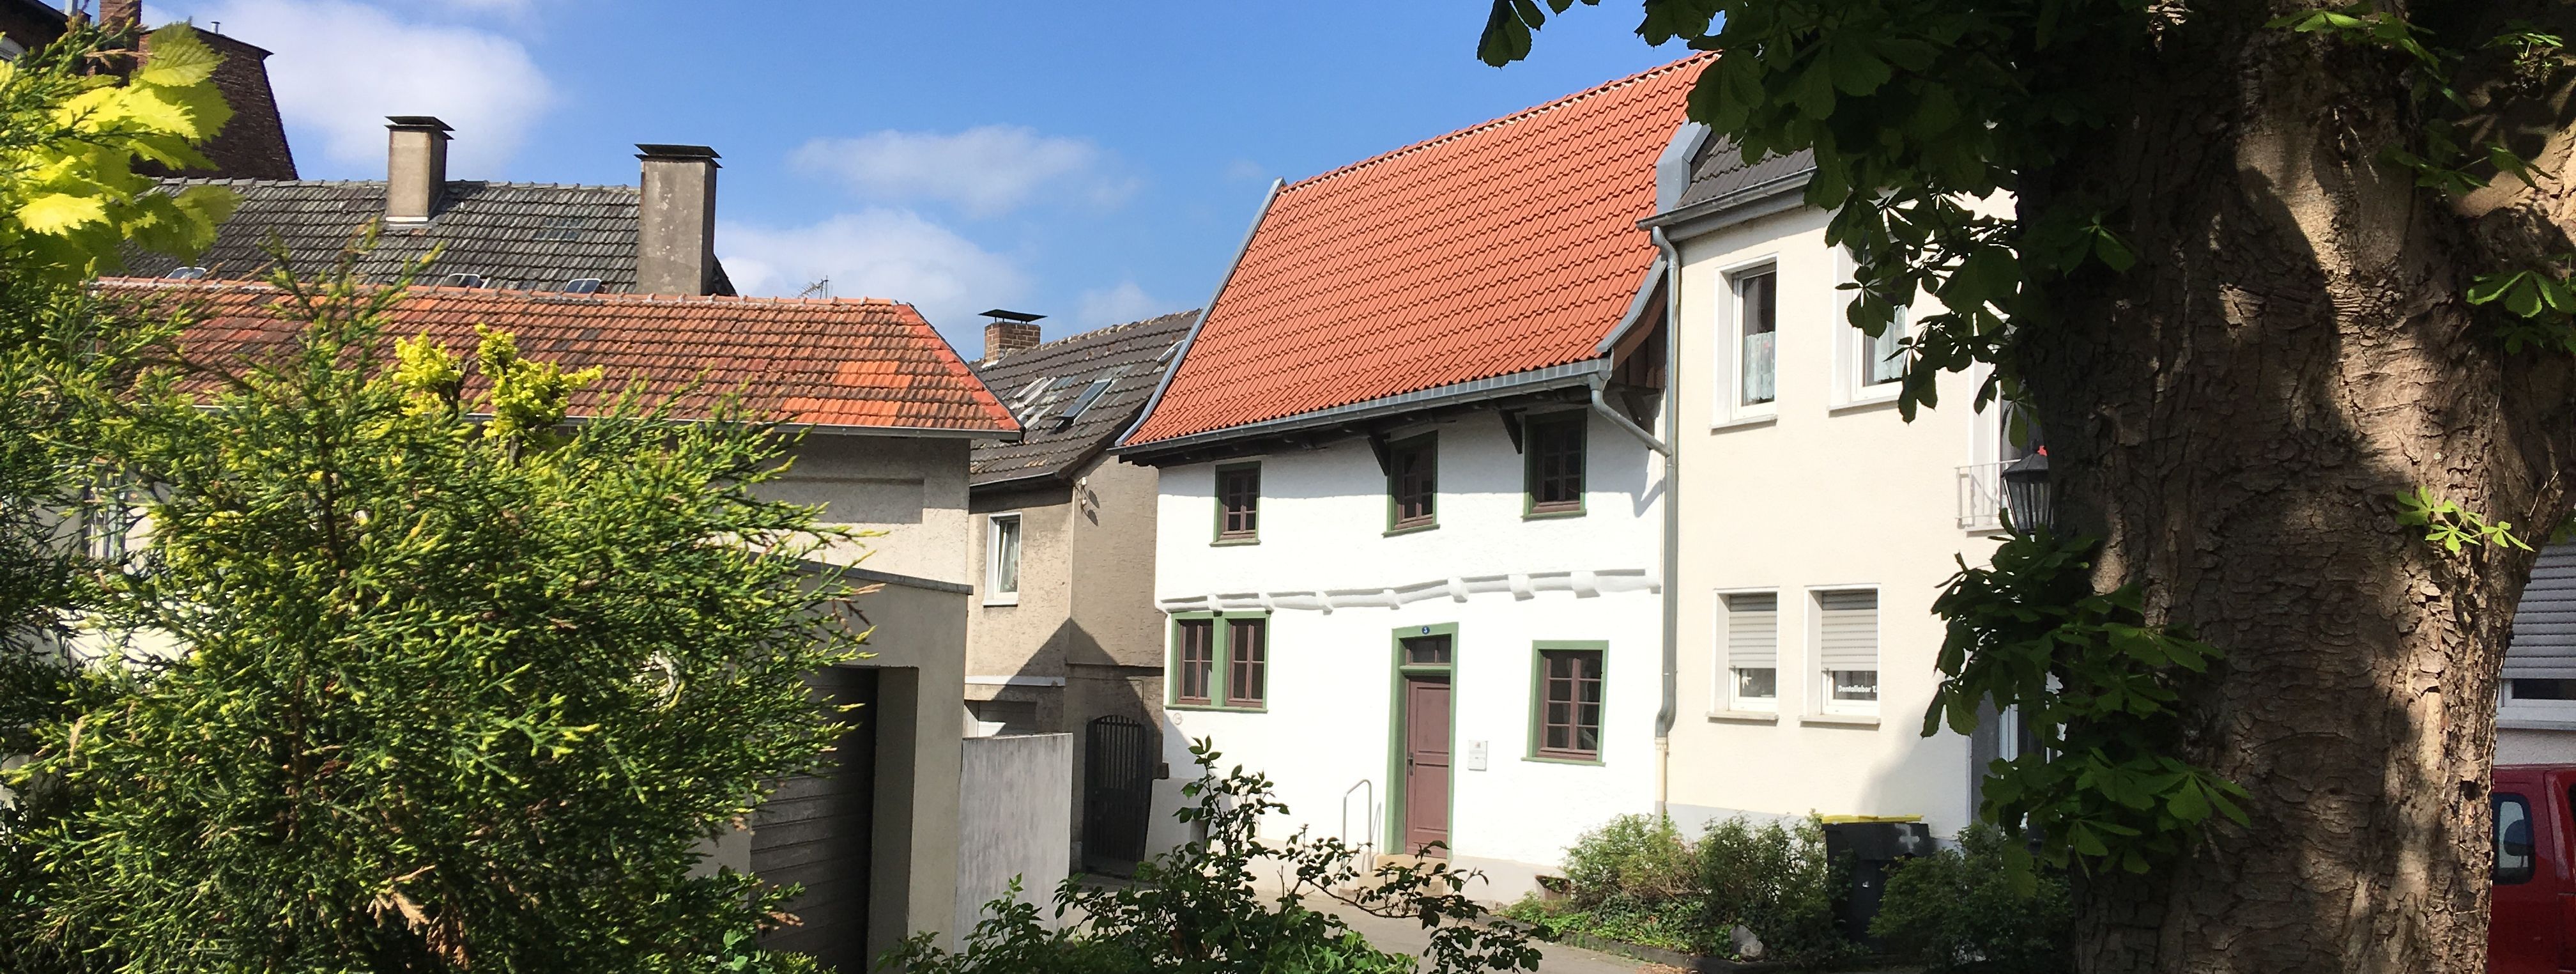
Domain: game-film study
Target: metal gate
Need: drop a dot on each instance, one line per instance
(1117, 792)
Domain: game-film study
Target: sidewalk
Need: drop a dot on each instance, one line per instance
(1408, 937)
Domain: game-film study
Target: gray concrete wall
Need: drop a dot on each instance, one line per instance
(912, 489)
(1012, 820)
(918, 644)
(1114, 524)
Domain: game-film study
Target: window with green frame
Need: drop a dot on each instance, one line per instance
(1220, 662)
(1552, 462)
(1413, 483)
(1566, 701)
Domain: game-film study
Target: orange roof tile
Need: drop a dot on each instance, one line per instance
(827, 362)
(1501, 248)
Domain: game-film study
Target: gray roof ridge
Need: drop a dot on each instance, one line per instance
(1068, 340)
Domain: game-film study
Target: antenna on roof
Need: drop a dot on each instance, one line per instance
(824, 286)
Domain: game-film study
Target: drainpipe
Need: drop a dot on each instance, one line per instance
(1622, 421)
(1672, 452)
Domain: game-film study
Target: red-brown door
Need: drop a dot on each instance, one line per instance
(1426, 762)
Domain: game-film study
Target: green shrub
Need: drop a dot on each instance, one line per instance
(1639, 859)
(1776, 881)
(1958, 911)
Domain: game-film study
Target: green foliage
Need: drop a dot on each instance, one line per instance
(2099, 688)
(1970, 911)
(1776, 881)
(2451, 526)
(1642, 858)
(1196, 910)
(1636, 879)
(401, 695)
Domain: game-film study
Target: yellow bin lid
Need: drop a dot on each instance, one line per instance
(1850, 819)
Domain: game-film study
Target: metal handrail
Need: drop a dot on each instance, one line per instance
(1368, 815)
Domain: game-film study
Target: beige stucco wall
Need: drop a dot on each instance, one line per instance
(1824, 493)
(912, 489)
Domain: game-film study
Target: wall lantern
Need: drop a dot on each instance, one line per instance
(2026, 494)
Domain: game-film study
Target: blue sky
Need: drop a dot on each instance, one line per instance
(1093, 162)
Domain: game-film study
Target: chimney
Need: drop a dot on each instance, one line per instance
(675, 246)
(1008, 332)
(116, 15)
(415, 167)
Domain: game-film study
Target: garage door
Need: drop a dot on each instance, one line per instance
(814, 831)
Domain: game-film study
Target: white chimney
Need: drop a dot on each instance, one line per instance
(415, 167)
(675, 243)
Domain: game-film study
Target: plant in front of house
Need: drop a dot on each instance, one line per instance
(1975, 910)
(1742, 891)
(406, 690)
(1198, 909)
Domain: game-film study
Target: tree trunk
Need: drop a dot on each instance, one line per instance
(2235, 416)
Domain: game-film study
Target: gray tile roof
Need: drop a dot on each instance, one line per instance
(1720, 170)
(1041, 383)
(521, 236)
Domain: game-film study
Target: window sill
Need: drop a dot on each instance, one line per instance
(1411, 529)
(1233, 542)
(1216, 708)
(1000, 600)
(1744, 422)
(1839, 720)
(1866, 405)
(1592, 762)
(1552, 515)
(1745, 716)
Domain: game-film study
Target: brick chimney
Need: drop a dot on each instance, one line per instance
(415, 167)
(116, 15)
(1008, 332)
(675, 246)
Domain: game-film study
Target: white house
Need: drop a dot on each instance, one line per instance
(1412, 488)
(1815, 525)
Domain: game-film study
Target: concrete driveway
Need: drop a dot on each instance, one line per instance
(1408, 937)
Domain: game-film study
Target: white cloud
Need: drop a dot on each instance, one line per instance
(1117, 306)
(1247, 170)
(986, 170)
(341, 67)
(877, 253)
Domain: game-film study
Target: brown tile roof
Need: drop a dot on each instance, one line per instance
(1497, 249)
(836, 362)
(1041, 383)
(519, 236)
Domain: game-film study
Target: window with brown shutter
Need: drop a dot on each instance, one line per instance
(1555, 462)
(1569, 718)
(1238, 498)
(1197, 659)
(1413, 482)
(1248, 662)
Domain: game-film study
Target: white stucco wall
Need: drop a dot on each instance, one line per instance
(1824, 493)
(1328, 727)
(910, 491)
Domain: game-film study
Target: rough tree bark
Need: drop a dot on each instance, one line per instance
(2234, 415)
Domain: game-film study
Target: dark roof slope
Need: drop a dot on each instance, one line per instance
(253, 144)
(1041, 383)
(1720, 170)
(858, 364)
(518, 236)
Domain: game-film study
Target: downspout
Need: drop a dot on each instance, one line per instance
(1672, 452)
(1622, 421)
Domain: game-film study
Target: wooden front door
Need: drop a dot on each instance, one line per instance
(1426, 763)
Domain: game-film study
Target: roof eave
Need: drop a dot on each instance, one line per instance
(1719, 212)
(1568, 375)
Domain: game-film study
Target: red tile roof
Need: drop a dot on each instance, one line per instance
(1501, 248)
(832, 362)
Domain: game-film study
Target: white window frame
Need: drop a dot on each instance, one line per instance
(1851, 348)
(1724, 696)
(1731, 409)
(1821, 697)
(993, 591)
(2509, 706)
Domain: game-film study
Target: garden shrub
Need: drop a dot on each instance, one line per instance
(1959, 911)
(1776, 881)
(1640, 858)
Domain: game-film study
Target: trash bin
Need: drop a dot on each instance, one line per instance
(1868, 848)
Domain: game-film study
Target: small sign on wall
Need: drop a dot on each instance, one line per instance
(1475, 755)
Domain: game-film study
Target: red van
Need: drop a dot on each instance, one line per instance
(2535, 889)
